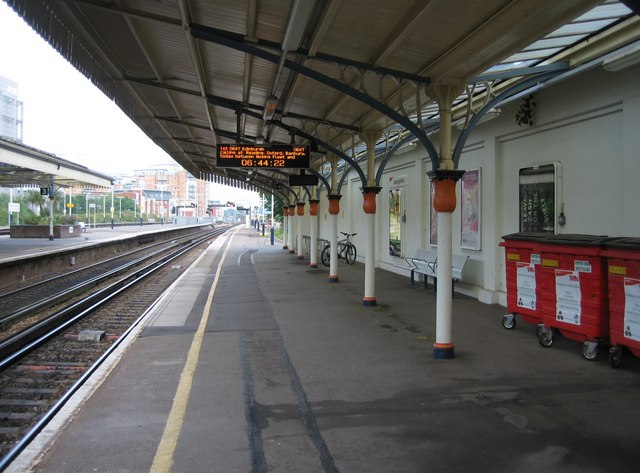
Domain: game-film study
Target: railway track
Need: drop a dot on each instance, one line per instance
(43, 364)
(18, 304)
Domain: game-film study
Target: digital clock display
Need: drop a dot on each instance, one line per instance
(274, 156)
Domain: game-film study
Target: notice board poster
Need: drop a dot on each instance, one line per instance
(568, 297)
(433, 218)
(526, 282)
(632, 308)
(470, 210)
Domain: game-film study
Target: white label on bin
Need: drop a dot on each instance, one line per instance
(632, 308)
(582, 266)
(568, 297)
(526, 282)
(536, 258)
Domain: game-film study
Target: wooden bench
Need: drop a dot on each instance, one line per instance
(425, 262)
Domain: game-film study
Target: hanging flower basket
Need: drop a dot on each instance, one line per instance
(524, 116)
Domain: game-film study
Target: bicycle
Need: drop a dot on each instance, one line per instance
(346, 250)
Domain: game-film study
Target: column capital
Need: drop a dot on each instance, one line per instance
(445, 92)
(446, 174)
(371, 189)
(300, 208)
(370, 137)
(313, 206)
(444, 198)
(369, 193)
(334, 203)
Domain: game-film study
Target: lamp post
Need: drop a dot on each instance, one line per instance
(112, 206)
(120, 209)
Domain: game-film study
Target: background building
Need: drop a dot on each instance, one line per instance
(10, 110)
(166, 190)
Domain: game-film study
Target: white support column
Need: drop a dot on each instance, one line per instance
(313, 233)
(444, 202)
(300, 215)
(51, 197)
(291, 233)
(334, 210)
(444, 283)
(369, 206)
(369, 298)
(285, 226)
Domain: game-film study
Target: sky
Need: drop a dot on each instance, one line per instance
(65, 114)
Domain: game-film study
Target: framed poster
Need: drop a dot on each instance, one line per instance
(470, 210)
(433, 219)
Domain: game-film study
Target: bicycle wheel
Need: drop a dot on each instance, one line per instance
(325, 256)
(350, 253)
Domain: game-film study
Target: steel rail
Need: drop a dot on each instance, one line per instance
(108, 294)
(73, 290)
(18, 345)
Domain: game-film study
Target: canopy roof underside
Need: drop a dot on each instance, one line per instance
(196, 73)
(24, 166)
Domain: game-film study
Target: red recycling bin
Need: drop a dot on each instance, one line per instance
(524, 279)
(574, 287)
(623, 264)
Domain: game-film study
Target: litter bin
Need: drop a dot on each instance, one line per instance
(522, 253)
(623, 264)
(574, 287)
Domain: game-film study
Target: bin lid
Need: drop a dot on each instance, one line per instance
(527, 236)
(576, 239)
(623, 243)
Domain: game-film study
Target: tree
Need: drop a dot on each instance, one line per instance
(277, 208)
(277, 204)
(34, 200)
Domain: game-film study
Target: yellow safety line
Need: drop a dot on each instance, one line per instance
(163, 460)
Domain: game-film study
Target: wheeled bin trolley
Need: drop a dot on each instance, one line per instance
(522, 253)
(574, 288)
(623, 269)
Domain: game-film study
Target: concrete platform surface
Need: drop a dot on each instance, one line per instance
(266, 366)
(15, 248)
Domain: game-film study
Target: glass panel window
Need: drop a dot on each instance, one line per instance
(396, 213)
(537, 198)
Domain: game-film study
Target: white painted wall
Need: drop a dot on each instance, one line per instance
(589, 125)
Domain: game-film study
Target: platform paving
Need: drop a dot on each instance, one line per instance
(294, 374)
(15, 248)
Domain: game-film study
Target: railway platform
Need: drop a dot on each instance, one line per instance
(17, 248)
(254, 362)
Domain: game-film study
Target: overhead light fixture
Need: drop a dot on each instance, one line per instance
(627, 58)
(270, 107)
(492, 113)
(405, 148)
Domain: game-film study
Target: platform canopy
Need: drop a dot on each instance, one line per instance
(194, 74)
(24, 166)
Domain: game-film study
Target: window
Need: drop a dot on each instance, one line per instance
(396, 213)
(537, 198)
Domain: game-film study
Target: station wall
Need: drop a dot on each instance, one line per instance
(588, 126)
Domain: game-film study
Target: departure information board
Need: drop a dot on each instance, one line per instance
(274, 156)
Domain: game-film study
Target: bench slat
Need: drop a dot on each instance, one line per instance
(425, 262)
